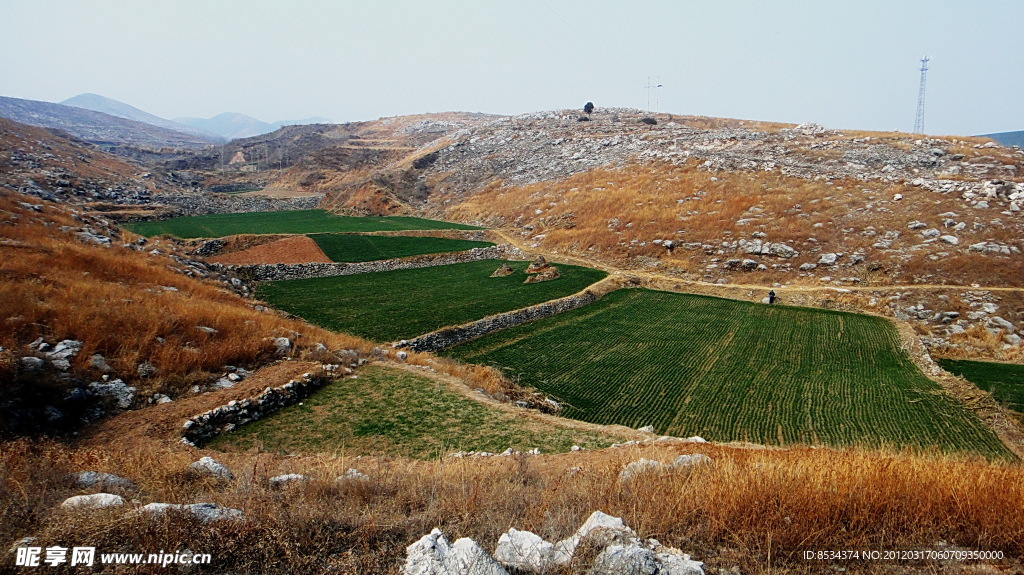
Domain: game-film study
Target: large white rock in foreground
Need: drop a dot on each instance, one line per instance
(636, 560)
(433, 555)
(528, 552)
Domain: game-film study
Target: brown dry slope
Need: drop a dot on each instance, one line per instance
(290, 250)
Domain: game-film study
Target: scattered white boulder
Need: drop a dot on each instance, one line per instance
(641, 466)
(204, 512)
(433, 555)
(286, 480)
(209, 467)
(282, 345)
(207, 512)
(31, 363)
(646, 429)
(100, 480)
(1000, 323)
(690, 459)
(63, 353)
(828, 259)
(637, 467)
(160, 398)
(117, 390)
(353, 475)
(94, 501)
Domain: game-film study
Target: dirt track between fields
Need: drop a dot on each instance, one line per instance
(507, 238)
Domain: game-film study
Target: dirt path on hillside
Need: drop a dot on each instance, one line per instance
(290, 250)
(506, 237)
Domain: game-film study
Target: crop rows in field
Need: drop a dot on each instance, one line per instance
(402, 304)
(734, 371)
(366, 248)
(283, 222)
(1004, 380)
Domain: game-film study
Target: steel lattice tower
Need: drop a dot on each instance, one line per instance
(919, 119)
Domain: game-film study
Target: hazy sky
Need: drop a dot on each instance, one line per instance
(850, 64)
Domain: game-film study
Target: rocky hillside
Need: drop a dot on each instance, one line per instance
(726, 202)
(109, 132)
(45, 164)
(689, 195)
(358, 161)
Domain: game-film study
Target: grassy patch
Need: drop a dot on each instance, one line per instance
(402, 304)
(285, 222)
(728, 370)
(359, 248)
(1004, 380)
(393, 412)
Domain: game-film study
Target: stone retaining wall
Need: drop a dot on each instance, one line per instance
(451, 336)
(210, 203)
(201, 428)
(278, 272)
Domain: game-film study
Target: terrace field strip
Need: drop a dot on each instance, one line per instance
(734, 371)
(359, 248)
(1005, 381)
(284, 222)
(402, 304)
(385, 411)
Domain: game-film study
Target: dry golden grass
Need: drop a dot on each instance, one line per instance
(129, 306)
(612, 215)
(758, 509)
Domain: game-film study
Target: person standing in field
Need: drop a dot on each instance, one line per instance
(771, 297)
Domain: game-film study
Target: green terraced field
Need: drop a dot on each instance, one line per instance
(402, 304)
(358, 248)
(286, 222)
(1004, 380)
(728, 370)
(392, 412)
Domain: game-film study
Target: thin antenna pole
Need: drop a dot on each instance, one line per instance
(657, 96)
(919, 118)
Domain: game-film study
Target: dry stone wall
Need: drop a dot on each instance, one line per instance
(203, 427)
(278, 272)
(451, 336)
(199, 204)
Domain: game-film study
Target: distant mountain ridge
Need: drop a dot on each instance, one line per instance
(99, 128)
(98, 103)
(232, 125)
(1007, 138)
